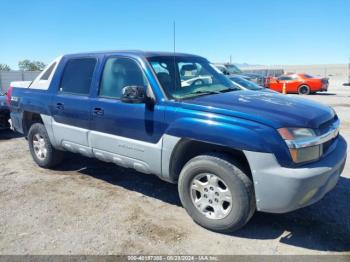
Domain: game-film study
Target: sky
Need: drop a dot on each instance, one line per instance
(256, 31)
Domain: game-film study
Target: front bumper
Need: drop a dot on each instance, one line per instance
(280, 190)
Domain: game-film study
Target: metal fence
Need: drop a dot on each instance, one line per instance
(6, 77)
(265, 72)
(337, 73)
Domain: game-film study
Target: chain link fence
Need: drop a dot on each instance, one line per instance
(338, 74)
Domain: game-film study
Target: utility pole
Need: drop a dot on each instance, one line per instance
(349, 72)
(348, 83)
(230, 59)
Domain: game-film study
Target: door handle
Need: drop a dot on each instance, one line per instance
(60, 106)
(98, 111)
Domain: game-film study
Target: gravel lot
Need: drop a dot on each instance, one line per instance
(89, 207)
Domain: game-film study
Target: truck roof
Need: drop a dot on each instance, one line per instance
(140, 53)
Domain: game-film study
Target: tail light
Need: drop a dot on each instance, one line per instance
(8, 95)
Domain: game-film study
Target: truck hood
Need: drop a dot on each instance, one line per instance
(269, 108)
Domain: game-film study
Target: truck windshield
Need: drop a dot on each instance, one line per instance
(188, 77)
(233, 70)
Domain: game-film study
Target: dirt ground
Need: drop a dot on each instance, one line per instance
(90, 207)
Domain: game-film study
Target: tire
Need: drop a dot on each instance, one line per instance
(229, 175)
(38, 138)
(4, 121)
(304, 90)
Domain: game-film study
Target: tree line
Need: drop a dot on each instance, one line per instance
(25, 65)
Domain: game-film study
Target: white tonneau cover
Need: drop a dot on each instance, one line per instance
(21, 84)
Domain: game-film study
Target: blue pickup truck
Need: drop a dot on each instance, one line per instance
(176, 116)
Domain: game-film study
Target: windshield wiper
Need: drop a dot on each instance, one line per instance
(229, 90)
(205, 92)
(210, 92)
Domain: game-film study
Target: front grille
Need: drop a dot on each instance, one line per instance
(327, 145)
(326, 126)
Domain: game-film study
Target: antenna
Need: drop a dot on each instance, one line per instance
(174, 54)
(174, 36)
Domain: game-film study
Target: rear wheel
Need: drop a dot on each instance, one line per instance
(41, 148)
(304, 90)
(4, 120)
(216, 193)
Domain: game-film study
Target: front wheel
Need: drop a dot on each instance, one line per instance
(216, 193)
(41, 149)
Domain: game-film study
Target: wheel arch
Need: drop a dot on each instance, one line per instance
(187, 149)
(28, 119)
(304, 84)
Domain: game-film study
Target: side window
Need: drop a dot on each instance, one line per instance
(119, 73)
(160, 67)
(284, 78)
(48, 72)
(77, 76)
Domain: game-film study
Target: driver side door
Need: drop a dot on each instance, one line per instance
(277, 85)
(128, 134)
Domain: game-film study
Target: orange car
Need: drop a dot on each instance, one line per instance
(303, 84)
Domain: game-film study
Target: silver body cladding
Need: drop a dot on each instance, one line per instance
(144, 157)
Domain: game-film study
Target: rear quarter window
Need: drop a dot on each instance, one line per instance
(285, 78)
(308, 76)
(77, 76)
(48, 72)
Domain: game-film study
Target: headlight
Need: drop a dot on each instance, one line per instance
(296, 133)
(296, 136)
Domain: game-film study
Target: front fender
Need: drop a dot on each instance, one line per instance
(239, 134)
(210, 131)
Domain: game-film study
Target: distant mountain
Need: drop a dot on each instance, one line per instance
(241, 64)
(246, 64)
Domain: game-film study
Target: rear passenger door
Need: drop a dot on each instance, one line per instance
(70, 106)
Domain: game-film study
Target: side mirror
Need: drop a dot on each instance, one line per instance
(134, 94)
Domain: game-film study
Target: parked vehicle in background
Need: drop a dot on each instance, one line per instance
(303, 84)
(4, 112)
(233, 70)
(247, 85)
(230, 151)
